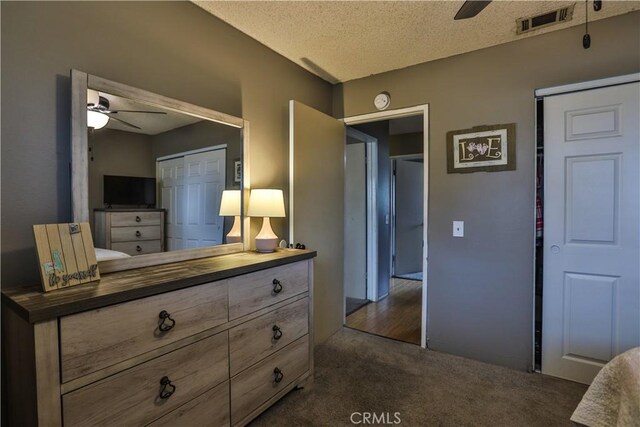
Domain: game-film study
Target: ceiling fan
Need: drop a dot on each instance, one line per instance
(99, 114)
(471, 8)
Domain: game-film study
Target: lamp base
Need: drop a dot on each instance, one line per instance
(266, 245)
(266, 240)
(235, 235)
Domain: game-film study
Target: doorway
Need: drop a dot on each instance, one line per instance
(407, 211)
(375, 301)
(361, 236)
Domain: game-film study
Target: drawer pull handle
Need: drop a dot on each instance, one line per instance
(277, 375)
(138, 219)
(167, 388)
(166, 316)
(138, 248)
(138, 233)
(277, 286)
(277, 332)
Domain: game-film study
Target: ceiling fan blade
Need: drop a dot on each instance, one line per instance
(471, 8)
(137, 111)
(123, 122)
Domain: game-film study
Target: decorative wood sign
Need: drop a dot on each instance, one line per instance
(66, 255)
(482, 148)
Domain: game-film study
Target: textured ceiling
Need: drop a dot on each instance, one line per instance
(346, 40)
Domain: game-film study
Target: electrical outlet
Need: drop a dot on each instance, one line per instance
(458, 228)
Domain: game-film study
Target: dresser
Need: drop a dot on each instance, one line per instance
(208, 342)
(132, 231)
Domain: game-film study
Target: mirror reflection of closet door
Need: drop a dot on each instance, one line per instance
(316, 207)
(171, 181)
(190, 191)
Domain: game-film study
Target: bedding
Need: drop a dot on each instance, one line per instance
(107, 254)
(613, 399)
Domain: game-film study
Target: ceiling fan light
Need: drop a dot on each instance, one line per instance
(96, 120)
(93, 97)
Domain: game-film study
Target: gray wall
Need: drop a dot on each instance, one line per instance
(115, 152)
(172, 48)
(406, 144)
(481, 287)
(201, 135)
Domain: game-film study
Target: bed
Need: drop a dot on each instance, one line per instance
(108, 254)
(613, 399)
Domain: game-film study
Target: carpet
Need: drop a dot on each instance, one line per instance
(358, 372)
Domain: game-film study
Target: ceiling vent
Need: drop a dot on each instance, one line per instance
(558, 16)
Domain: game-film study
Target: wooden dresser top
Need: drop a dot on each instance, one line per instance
(34, 305)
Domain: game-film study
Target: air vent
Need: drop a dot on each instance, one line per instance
(558, 16)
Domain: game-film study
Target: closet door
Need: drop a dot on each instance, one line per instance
(204, 181)
(591, 295)
(171, 182)
(190, 190)
(316, 207)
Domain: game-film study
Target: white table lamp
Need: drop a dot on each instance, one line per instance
(230, 206)
(267, 204)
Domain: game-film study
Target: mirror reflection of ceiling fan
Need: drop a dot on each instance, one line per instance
(99, 114)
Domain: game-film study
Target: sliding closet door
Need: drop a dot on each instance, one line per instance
(190, 190)
(316, 207)
(591, 295)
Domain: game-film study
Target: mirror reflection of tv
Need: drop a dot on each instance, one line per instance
(129, 190)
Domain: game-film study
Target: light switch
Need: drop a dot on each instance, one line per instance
(458, 228)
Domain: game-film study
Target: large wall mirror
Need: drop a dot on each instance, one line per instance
(159, 180)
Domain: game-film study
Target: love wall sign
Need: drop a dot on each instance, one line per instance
(66, 255)
(482, 149)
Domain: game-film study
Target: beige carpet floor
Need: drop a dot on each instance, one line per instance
(358, 372)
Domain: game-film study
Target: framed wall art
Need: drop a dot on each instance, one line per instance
(482, 149)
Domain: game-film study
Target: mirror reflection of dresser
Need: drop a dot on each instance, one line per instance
(126, 139)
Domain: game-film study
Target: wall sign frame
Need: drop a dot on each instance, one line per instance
(66, 255)
(482, 149)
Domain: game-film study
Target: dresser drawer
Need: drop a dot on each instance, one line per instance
(256, 385)
(95, 339)
(126, 219)
(254, 291)
(138, 248)
(131, 234)
(258, 338)
(132, 397)
(209, 409)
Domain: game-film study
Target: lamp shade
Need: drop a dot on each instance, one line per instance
(230, 203)
(96, 120)
(266, 203)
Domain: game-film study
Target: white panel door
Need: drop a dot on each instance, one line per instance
(171, 198)
(204, 181)
(591, 299)
(409, 216)
(316, 207)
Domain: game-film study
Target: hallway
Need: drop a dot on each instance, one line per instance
(397, 316)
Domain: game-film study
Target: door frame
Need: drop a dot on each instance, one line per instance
(396, 114)
(393, 204)
(371, 154)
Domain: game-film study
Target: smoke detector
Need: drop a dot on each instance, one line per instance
(558, 16)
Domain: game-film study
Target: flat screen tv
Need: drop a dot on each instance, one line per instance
(129, 190)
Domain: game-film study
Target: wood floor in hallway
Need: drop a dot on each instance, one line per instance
(398, 316)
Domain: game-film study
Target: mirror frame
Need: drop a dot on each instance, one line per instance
(80, 81)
